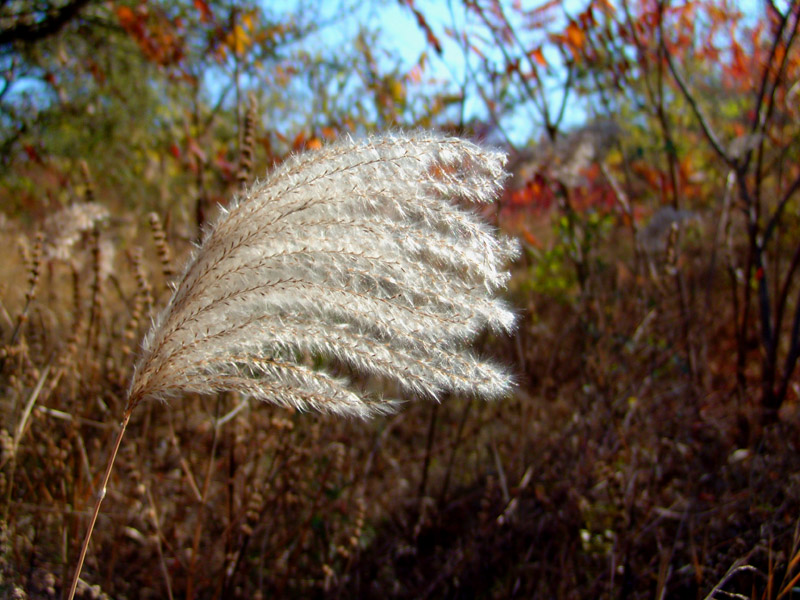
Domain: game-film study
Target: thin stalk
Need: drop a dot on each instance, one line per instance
(100, 496)
(159, 535)
(428, 449)
(198, 530)
(456, 444)
(23, 421)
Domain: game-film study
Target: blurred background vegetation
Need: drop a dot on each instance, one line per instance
(650, 450)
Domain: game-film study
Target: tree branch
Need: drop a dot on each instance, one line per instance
(764, 113)
(33, 32)
(783, 294)
(776, 216)
(757, 120)
(709, 133)
(793, 354)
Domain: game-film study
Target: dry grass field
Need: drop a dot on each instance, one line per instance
(611, 471)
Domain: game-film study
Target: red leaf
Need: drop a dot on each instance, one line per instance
(33, 155)
(205, 11)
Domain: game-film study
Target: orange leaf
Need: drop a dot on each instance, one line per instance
(575, 37)
(299, 141)
(538, 56)
(530, 238)
(125, 16)
(314, 144)
(415, 74)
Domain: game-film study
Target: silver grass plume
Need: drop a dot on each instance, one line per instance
(358, 252)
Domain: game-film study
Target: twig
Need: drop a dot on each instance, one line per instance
(736, 568)
(232, 413)
(65, 416)
(500, 472)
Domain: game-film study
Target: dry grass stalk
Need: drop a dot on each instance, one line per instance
(359, 253)
(142, 301)
(34, 267)
(162, 247)
(86, 175)
(96, 295)
(248, 142)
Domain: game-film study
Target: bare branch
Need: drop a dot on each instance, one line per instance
(783, 295)
(704, 124)
(763, 116)
(793, 354)
(531, 93)
(776, 216)
(757, 120)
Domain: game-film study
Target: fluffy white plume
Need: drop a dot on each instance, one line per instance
(64, 228)
(357, 252)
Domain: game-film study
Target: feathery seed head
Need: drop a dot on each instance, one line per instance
(65, 227)
(359, 253)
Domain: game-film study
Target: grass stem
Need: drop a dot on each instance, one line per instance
(100, 496)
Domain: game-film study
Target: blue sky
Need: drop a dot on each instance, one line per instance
(401, 33)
